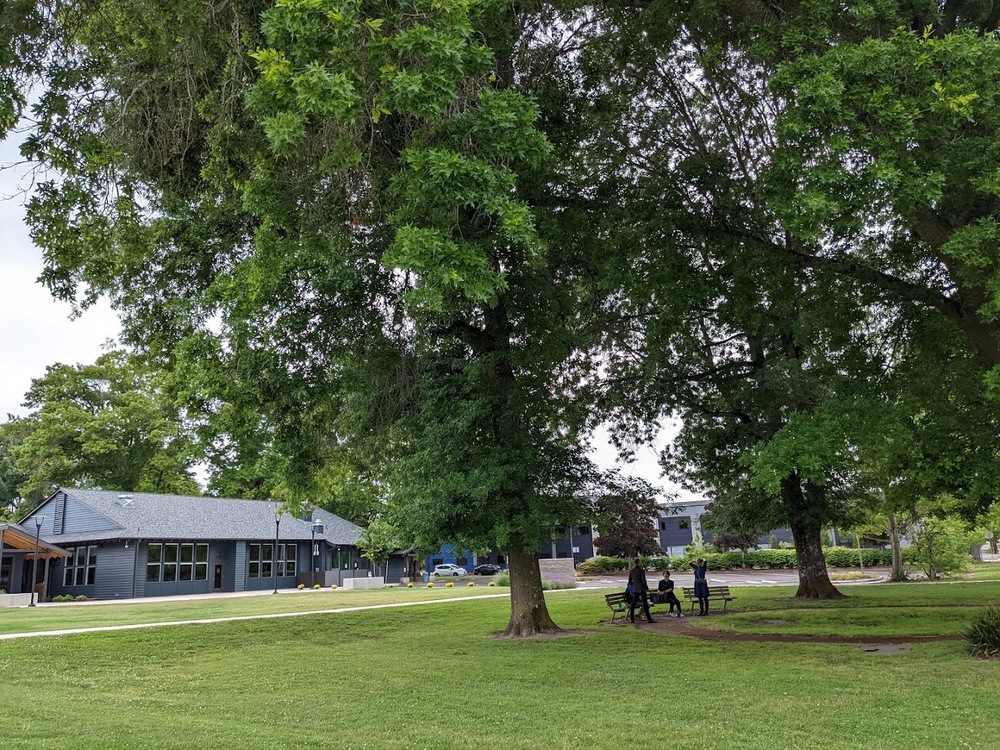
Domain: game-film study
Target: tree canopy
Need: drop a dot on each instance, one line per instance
(407, 254)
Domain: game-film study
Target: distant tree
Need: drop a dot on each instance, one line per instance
(942, 545)
(626, 518)
(379, 541)
(734, 540)
(10, 477)
(103, 425)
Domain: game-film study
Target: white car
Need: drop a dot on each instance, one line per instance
(448, 569)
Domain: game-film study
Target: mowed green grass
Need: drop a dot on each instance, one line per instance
(436, 676)
(90, 615)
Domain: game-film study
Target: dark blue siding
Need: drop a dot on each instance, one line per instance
(115, 571)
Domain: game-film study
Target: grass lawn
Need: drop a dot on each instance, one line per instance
(436, 677)
(69, 616)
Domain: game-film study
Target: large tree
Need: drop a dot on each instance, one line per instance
(106, 425)
(327, 205)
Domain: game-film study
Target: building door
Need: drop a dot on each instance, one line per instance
(217, 577)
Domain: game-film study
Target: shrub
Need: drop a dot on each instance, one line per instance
(317, 586)
(983, 634)
(80, 598)
(549, 584)
(449, 585)
(471, 583)
(597, 566)
(503, 579)
(300, 586)
(333, 585)
(492, 583)
(409, 585)
(942, 546)
(430, 584)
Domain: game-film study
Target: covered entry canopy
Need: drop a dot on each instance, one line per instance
(15, 537)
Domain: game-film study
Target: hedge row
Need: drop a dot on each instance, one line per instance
(769, 559)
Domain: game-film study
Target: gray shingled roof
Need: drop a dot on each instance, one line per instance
(141, 515)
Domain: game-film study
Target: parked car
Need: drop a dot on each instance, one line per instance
(487, 569)
(449, 569)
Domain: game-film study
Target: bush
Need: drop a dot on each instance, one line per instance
(942, 546)
(80, 598)
(333, 585)
(449, 585)
(471, 583)
(409, 585)
(597, 566)
(846, 557)
(983, 634)
(550, 584)
(503, 579)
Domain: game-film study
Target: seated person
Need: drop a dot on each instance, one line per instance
(665, 593)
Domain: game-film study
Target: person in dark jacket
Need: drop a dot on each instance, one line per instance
(701, 585)
(640, 589)
(667, 595)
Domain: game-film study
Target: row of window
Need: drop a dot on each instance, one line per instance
(81, 566)
(168, 563)
(262, 560)
(175, 561)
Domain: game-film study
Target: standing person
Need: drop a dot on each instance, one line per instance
(701, 585)
(667, 595)
(637, 580)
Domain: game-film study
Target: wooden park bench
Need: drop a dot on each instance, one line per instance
(618, 604)
(714, 592)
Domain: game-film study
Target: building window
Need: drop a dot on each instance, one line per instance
(169, 563)
(170, 554)
(583, 531)
(154, 560)
(81, 566)
(346, 556)
(684, 523)
(261, 560)
(201, 562)
(287, 554)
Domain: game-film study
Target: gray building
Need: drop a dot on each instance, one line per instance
(679, 521)
(135, 544)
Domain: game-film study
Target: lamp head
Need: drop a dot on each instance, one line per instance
(39, 520)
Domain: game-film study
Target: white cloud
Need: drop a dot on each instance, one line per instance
(35, 330)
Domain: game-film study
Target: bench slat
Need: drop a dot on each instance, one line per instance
(714, 592)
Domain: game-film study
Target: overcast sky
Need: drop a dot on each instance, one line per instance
(37, 331)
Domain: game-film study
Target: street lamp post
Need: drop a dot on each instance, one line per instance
(312, 556)
(274, 557)
(39, 520)
(1, 558)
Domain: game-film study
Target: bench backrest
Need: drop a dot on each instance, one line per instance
(712, 591)
(615, 598)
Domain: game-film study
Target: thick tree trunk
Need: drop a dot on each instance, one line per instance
(806, 511)
(814, 581)
(528, 614)
(897, 573)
